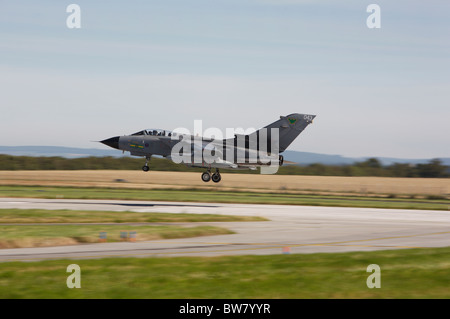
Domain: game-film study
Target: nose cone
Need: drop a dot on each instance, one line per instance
(112, 142)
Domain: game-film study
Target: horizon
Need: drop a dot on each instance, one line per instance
(126, 154)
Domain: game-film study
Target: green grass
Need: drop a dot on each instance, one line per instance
(75, 216)
(412, 273)
(38, 227)
(222, 197)
(44, 235)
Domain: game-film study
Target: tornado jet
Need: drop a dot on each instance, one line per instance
(261, 148)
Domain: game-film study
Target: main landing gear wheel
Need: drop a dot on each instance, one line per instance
(206, 177)
(216, 177)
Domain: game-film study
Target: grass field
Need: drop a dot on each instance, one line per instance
(28, 216)
(37, 228)
(231, 182)
(412, 273)
(221, 196)
(56, 235)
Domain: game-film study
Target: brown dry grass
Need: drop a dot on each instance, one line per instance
(37, 242)
(260, 183)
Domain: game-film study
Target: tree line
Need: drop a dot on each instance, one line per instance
(369, 167)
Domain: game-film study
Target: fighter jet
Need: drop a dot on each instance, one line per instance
(261, 148)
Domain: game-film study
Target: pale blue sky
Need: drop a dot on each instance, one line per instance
(164, 64)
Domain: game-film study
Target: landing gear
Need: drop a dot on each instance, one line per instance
(216, 177)
(281, 160)
(145, 168)
(206, 176)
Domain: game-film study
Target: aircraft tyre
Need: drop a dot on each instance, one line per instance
(206, 177)
(145, 168)
(216, 177)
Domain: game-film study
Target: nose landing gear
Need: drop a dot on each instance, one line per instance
(145, 168)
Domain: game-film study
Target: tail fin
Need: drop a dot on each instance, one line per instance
(290, 127)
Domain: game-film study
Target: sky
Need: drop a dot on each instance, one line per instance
(232, 64)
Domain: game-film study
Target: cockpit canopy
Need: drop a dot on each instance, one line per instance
(154, 132)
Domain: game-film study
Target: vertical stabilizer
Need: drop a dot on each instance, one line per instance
(290, 127)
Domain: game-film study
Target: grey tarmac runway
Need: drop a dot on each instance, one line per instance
(304, 229)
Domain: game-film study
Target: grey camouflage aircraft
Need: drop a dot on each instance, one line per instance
(261, 148)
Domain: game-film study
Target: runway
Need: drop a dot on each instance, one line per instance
(304, 229)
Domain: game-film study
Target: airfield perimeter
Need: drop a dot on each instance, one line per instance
(240, 182)
(304, 229)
